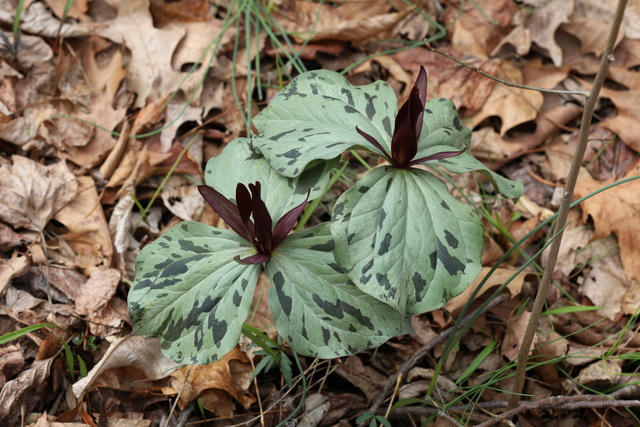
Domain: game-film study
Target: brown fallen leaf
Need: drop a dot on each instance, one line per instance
(94, 302)
(11, 363)
(543, 23)
(500, 276)
(150, 74)
(616, 210)
(216, 383)
(476, 35)
(591, 33)
(135, 351)
(513, 105)
(468, 90)
(333, 25)
(512, 341)
(33, 386)
(88, 234)
(30, 193)
(9, 239)
(627, 123)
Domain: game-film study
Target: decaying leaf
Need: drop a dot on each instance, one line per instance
(30, 193)
(498, 277)
(94, 302)
(216, 383)
(139, 352)
(14, 267)
(88, 234)
(616, 210)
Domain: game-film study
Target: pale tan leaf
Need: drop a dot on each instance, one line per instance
(500, 276)
(30, 193)
(136, 351)
(15, 266)
(88, 234)
(543, 23)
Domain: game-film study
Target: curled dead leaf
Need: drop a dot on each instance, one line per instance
(31, 193)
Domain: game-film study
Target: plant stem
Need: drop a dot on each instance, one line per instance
(564, 207)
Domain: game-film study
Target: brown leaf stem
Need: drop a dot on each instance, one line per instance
(567, 197)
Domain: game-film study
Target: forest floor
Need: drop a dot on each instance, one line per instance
(110, 110)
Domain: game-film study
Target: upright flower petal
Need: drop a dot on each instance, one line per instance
(404, 144)
(227, 210)
(261, 219)
(286, 223)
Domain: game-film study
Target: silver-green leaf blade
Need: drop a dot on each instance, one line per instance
(442, 129)
(465, 162)
(315, 117)
(402, 238)
(239, 162)
(315, 307)
(191, 294)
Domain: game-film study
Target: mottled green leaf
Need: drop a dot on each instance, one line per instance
(315, 307)
(465, 162)
(190, 293)
(239, 162)
(402, 238)
(442, 129)
(315, 117)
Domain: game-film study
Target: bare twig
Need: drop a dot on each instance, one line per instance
(421, 352)
(567, 197)
(504, 82)
(566, 403)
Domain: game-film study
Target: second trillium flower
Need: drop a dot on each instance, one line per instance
(408, 127)
(258, 231)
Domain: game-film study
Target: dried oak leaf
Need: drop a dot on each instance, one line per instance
(616, 210)
(216, 383)
(31, 193)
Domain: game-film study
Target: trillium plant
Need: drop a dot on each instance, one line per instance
(398, 242)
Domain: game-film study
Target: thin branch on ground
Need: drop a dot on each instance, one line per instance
(421, 352)
(504, 82)
(563, 212)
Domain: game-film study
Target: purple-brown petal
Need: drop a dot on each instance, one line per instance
(261, 219)
(404, 144)
(286, 223)
(437, 156)
(254, 259)
(421, 88)
(373, 142)
(227, 210)
(408, 124)
(243, 200)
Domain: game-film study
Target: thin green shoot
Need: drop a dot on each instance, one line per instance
(477, 361)
(570, 309)
(16, 20)
(70, 361)
(143, 211)
(24, 331)
(360, 159)
(597, 155)
(82, 367)
(201, 409)
(304, 218)
(164, 181)
(261, 340)
(520, 309)
(304, 392)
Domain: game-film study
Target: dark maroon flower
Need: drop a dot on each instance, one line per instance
(258, 231)
(404, 144)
